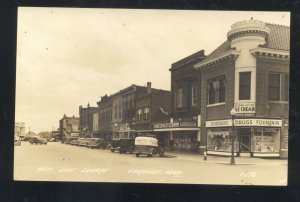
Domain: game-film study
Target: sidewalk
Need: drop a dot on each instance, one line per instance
(225, 159)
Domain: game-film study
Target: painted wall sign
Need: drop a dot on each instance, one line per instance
(246, 108)
(219, 123)
(258, 122)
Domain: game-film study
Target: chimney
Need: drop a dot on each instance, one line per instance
(148, 87)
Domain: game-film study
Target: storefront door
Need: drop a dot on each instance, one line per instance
(245, 142)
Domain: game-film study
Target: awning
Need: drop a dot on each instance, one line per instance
(144, 131)
(176, 129)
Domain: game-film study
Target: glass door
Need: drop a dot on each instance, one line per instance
(245, 142)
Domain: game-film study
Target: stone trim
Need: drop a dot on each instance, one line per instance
(232, 54)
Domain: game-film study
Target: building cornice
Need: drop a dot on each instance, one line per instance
(270, 52)
(231, 54)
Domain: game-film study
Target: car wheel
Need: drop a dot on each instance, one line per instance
(112, 150)
(137, 155)
(149, 155)
(161, 153)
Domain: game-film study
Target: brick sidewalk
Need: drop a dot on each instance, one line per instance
(226, 159)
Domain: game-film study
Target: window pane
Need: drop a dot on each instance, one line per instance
(286, 78)
(211, 93)
(245, 86)
(222, 90)
(274, 87)
(179, 97)
(194, 96)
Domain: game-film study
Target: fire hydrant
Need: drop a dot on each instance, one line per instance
(205, 156)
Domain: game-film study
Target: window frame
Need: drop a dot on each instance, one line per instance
(179, 98)
(279, 86)
(194, 96)
(242, 86)
(213, 90)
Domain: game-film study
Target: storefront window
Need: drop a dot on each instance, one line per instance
(266, 140)
(218, 140)
(185, 141)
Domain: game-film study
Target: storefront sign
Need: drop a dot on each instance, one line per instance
(258, 122)
(220, 133)
(219, 123)
(244, 108)
(165, 125)
(188, 124)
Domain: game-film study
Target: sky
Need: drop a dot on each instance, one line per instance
(68, 57)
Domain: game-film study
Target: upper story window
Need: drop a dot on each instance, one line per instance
(286, 84)
(194, 96)
(140, 113)
(278, 87)
(245, 86)
(115, 112)
(120, 111)
(179, 98)
(216, 90)
(274, 87)
(146, 113)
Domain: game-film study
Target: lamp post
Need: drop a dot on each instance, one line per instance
(232, 136)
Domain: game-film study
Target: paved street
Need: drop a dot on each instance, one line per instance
(60, 162)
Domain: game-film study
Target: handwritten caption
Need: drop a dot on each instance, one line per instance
(155, 172)
(71, 170)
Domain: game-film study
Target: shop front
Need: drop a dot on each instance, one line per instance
(179, 136)
(254, 137)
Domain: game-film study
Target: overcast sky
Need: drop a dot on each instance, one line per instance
(68, 57)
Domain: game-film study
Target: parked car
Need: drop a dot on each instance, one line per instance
(83, 142)
(73, 142)
(97, 143)
(115, 145)
(17, 141)
(37, 140)
(126, 145)
(147, 146)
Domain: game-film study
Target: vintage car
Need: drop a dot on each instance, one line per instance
(73, 142)
(82, 142)
(147, 146)
(126, 145)
(97, 143)
(17, 141)
(115, 143)
(37, 140)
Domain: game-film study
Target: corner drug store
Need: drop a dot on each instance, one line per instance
(254, 137)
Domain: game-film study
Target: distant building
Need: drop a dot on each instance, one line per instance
(86, 120)
(103, 118)
(19, 129)
(68, 125)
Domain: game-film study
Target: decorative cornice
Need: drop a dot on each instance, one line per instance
(270, 52)
(248, 27)
(231, 54)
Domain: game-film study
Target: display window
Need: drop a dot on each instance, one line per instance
(185, 141)
(218, 140)
(266, 140)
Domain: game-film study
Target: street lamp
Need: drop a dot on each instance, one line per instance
(232, 136)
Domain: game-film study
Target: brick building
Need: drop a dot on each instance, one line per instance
(68, 126)
(19, 129)
(123, 110)
(86, 120)
(182, 132)
(250, 74)
(102, 124)
(152, 107)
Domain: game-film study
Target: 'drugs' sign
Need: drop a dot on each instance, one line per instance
(258, 122)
